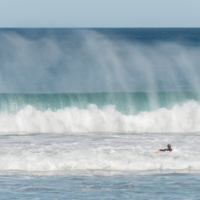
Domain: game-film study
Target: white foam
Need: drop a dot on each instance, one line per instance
(133, 152)
(185, 118)
(97, 161)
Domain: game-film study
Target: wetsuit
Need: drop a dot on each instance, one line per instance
(165, 150)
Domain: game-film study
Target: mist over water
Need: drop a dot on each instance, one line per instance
(92, 60)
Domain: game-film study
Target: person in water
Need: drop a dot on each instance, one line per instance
(169, 148)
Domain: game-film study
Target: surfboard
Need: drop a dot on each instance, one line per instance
(159, 151)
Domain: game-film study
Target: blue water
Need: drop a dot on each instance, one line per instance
(87, 186)
(83, 111)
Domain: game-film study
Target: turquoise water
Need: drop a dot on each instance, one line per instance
(125, 102)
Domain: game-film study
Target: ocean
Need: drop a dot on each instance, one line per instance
(83, 111)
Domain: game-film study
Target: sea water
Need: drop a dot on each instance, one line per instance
(83, 111)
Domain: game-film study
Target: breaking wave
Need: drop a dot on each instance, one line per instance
(180, 118)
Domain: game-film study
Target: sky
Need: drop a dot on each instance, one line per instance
(99, 13)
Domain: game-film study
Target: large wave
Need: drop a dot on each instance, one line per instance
(91, 61)
(180, 118)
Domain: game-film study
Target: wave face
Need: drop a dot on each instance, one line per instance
(124, 102)
(100, 112)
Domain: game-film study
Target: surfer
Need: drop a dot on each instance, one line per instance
(169, 148)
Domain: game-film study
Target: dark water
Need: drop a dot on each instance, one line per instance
(187, 36)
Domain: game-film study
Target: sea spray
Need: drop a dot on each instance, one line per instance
(96, 60)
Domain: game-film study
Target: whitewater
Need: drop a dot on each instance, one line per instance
(178, 119)
(83, 111)
(173, 112)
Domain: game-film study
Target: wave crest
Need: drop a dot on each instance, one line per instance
(185, 118)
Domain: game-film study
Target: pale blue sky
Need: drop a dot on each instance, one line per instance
(99, 13)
